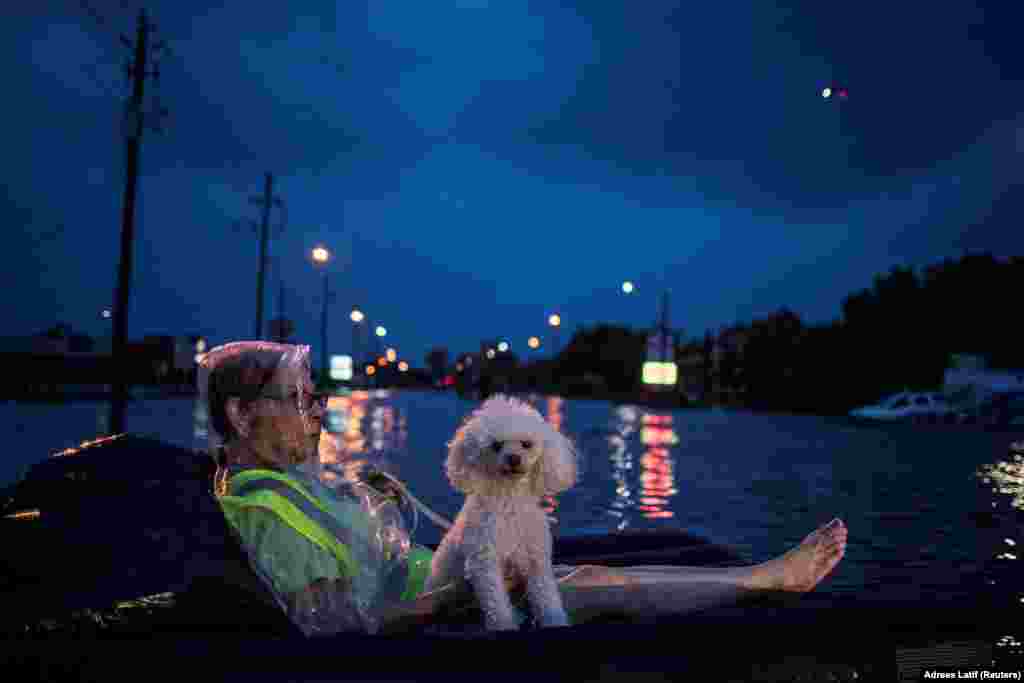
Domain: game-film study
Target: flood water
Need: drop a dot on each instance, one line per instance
(933, 512)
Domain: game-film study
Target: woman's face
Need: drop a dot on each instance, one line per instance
(280, 434)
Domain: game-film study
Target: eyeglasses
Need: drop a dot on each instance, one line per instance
(308, 399)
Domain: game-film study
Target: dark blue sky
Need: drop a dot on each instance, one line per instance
(478, 164)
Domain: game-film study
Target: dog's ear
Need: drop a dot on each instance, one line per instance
(558, 465)
(462, 451)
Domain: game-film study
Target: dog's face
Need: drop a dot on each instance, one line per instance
(510, 456)
(506, 446)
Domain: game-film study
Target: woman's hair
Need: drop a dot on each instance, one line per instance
(243, 375)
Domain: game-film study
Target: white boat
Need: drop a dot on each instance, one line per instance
(907, 406)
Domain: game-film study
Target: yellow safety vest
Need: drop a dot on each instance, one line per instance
(290, 502)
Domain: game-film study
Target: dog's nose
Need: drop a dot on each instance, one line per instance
(515, 460)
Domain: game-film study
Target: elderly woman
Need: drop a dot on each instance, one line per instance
(339, 560)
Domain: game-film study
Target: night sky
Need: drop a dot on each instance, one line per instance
(476, 165)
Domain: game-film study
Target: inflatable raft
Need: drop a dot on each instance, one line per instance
(116, 551)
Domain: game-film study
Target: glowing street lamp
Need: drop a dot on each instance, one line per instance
(490, 353)
(831, 91)
(554, 320)
(357, 315)
(503, 346)
(403, 366)
(391, 355)
(533, 342)
(321, 255)
(627, 287)
(380, 331)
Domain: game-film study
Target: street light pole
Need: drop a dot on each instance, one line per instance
(555, 321)
(323, 333)
(357, 362)
(320, 257)
(267, 202)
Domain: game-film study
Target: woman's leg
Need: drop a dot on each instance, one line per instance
(650, 591)
(653, 591)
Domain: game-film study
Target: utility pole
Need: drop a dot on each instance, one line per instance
(283, 329)
(280, 307)
(265, 202)
(666, 330)
(323, 332)
(135, 124)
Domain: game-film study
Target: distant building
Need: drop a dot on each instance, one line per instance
(437, 362)
(727, 381)
(693, 360)
(58, 339)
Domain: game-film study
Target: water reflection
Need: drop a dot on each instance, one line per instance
(657, 480)
(554, 415)
(621, 460)
(1006, 477)
(200, 426)
(360, 430)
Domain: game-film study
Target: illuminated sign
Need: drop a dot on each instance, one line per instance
(664, 374)
(341, 368)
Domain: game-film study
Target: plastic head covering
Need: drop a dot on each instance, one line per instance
(259, 355)
(304, 580)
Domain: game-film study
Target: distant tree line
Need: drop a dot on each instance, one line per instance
(898, 334)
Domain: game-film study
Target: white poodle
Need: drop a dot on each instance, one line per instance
(505, 458)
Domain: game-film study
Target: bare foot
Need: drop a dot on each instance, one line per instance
(803, 567)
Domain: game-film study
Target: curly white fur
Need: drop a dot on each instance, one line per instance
(505, 458)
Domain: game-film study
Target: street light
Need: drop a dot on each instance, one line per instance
(381, 331)
(533, 342)
(320, 258)
(627, 287)
(503, 346)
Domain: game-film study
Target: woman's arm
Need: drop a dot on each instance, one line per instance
(326, 607)
(398, 616)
